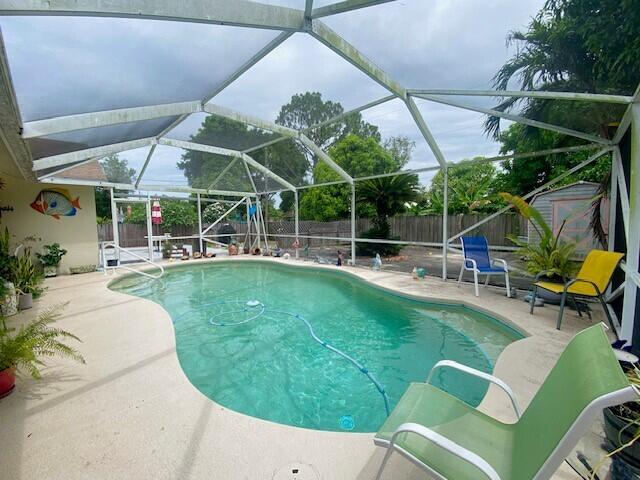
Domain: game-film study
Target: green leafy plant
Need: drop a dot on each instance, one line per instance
(550, 257)
(25, 347)
(167, 248)
(5, 255)
(24, 274)
(52, 256)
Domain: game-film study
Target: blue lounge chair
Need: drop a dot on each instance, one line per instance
(477, 260)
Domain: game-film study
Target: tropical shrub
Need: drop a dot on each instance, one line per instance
(550, 257)
(52, 256)
(25, 347)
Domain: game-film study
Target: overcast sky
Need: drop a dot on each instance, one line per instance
(62, 66)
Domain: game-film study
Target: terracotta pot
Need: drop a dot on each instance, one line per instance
(7, 381)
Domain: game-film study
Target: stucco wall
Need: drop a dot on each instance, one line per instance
(78, 234)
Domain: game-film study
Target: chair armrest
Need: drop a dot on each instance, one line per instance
(503, 262)
(477, 373)
(448, 445)
(576, 280)
(474, 264)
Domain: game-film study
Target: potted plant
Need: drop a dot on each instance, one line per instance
(23, 349)
(8, 298)
(167, 248)
(550, 257)
(51, 259)
(26, 279)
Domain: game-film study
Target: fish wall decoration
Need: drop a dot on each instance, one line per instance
(56, 202)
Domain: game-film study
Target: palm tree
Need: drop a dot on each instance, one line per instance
(388, 196)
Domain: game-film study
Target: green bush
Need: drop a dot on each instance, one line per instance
(384, 249)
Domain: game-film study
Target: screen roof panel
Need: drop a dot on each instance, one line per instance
(66, 65)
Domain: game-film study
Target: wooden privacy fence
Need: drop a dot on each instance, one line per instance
(427, 228)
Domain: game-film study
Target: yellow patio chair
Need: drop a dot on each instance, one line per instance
(591, 282)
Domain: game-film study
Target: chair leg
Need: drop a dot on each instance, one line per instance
(475, 282)
(533, 298)
(384, 462)
(575, 304)
(486, 281)
(563, 300)
(506, 281)
(460, 276)
(606, 312)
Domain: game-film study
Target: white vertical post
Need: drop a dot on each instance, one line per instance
(353, 223)
(199, 222)
(114, 224)
(296, 220)
(633, 242)
(149, 228)
(248, 235)
(613, 203)
(445, 220)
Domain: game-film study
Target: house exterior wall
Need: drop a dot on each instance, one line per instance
(77, 234)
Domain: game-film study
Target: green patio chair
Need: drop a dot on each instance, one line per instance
(450, 439)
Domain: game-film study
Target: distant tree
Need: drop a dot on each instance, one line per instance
(358, 156)
(213, 212)
(117, 170)
(400, 148)
(174, 212)
(471, 189)
(308, 109)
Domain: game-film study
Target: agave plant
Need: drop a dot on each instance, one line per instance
(25, 347)
(25, 275)
(551, 256)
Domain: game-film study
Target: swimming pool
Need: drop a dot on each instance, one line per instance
(276, 341)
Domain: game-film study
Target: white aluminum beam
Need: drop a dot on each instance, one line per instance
(226, 152)
(249, 120)
(258, 166)
(224, 171)
(575, 96)
(624, 197)
(629, 310)
(345, 6)
(519, 119)
(533, 192)
(10, 123)
(169, 142)
(179, 189)
(266, 144)
(350, 112)
(49, 126)
(308, 8)
(146, 164)
(426, 133)
(625, 122)
(88, 183)
(326, 158)
(241, 13)
(79, 155)
(335, 42)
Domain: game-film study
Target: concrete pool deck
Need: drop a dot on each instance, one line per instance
(130, 412)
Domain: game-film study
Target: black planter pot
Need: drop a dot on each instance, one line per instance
(613, 426)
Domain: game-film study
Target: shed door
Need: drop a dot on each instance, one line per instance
(577, 212)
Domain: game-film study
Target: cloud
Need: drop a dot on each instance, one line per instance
(64, 65)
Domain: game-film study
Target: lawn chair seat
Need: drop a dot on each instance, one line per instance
(477, 260)
(591, 282)
(450, 439)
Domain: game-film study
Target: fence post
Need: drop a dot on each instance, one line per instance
(445, 218)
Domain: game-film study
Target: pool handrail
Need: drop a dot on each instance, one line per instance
(106, 267)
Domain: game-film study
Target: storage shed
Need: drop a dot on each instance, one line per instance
(573, 204)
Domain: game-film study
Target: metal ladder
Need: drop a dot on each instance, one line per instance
(133, 254)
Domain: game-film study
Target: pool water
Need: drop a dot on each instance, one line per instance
(260, 358)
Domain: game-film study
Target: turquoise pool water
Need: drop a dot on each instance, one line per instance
(262, 360)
